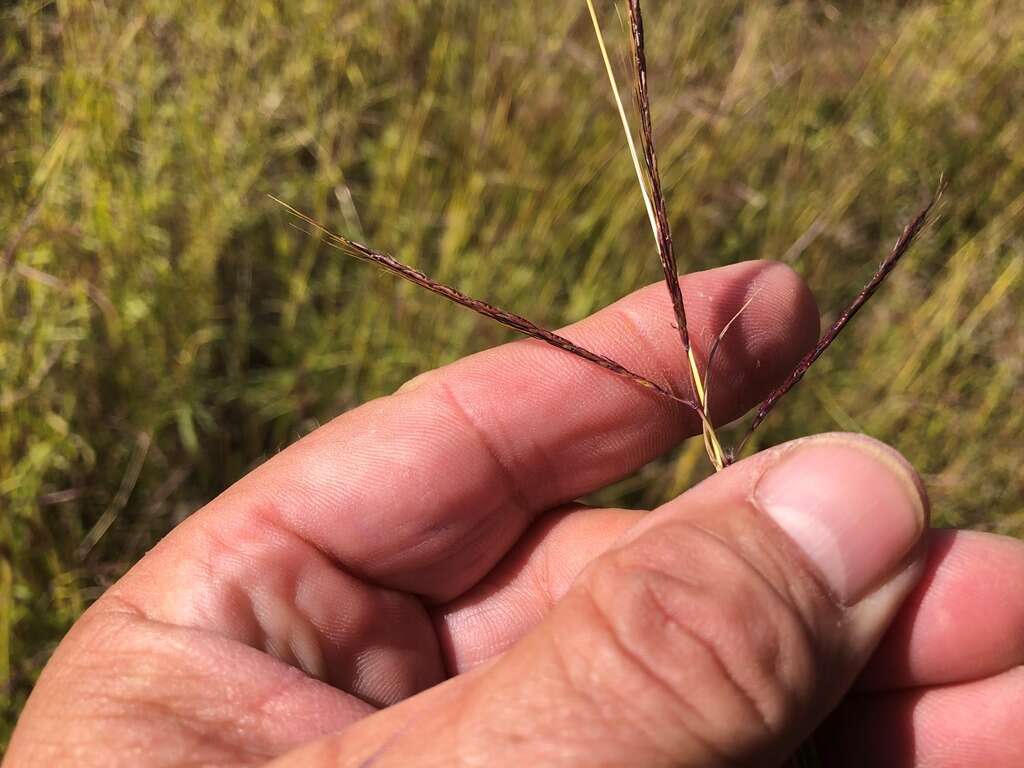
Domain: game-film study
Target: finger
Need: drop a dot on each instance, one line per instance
(965, 620)
(718, 631)
(970, 725)
(454, 468)
(520, 592)
(426, 490)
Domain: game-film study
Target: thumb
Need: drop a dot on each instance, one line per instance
(720, 631)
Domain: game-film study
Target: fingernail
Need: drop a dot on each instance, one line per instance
(852, 505)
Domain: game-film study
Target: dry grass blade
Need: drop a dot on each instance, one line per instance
(899, 250)
(508, 319)
(621, 109)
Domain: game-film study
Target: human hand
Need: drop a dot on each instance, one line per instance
(410, 585)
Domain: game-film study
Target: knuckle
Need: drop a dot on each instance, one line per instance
(708, 630)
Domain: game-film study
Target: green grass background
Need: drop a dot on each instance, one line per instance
(163, 328)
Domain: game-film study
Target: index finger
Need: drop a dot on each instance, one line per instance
(426, 489)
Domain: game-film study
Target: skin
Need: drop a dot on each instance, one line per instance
(413, 583)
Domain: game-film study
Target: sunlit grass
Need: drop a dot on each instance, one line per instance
(163, 328)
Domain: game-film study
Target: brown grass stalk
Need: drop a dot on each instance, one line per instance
(502, 316)
(899, 250)
(666, 250)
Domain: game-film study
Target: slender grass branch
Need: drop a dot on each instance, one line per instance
(717, 345)
(899, 250)
(502, 316)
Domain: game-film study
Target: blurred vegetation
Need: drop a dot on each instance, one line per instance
(163, 328)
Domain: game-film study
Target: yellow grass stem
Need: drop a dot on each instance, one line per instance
(625, 120)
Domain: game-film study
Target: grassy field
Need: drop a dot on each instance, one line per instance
(163, 328)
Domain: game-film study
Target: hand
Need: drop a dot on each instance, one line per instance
(410, 585)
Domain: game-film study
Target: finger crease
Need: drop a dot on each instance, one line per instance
(653, 674)
(504, 469)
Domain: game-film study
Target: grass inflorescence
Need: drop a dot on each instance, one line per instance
(653, 196)
(163, 328)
